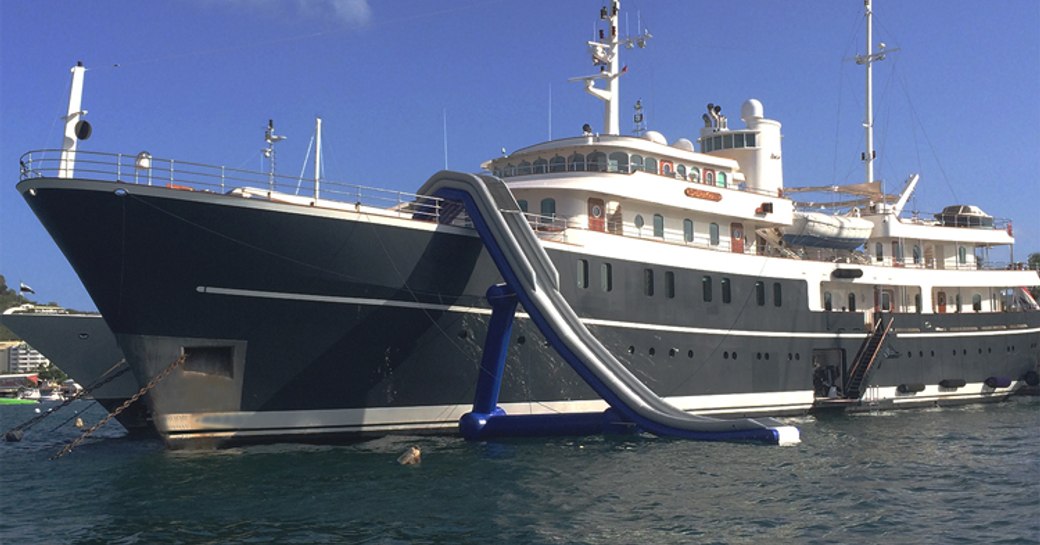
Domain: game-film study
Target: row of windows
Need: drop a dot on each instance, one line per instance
(650, 284)
(897, 253)
(728, 141)
(547, 208)
(885, 305)
(617, 161)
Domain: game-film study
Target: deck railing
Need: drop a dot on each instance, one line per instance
(143, 169)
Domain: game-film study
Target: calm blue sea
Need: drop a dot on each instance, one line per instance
(945, 476)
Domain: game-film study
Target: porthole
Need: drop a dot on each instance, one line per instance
(725, 355)
(933, 353)
(797, 356)
(689, 354)
(758, 355)
(734, 355)
(521, 339)
(767, 356)
(672, 352)
(652, 351)
(631, 350)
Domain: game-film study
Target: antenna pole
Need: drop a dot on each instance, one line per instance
(317, 156)
(869, 123)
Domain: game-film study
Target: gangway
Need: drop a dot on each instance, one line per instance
(532, 280)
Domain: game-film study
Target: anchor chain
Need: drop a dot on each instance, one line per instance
(151, 384)
(15, 433)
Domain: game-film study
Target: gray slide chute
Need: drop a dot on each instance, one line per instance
(527, 269)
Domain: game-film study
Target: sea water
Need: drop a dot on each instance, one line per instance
(947, 476)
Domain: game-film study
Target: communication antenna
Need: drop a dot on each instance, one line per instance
(638, 119)
(271, 138)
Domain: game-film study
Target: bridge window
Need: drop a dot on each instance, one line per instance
(687, 229)
(648, 282)
(618, 162)
(650, 165)
(760, 293)
(726, 293)
(749, 140)
(637, 163)
(727, 141)
(541, 166)
(525, 168)
(706, 288)
(576, 163)
(669, 284)
(557, 164)
(606, 277)
(713, 231)
(778, 298)
(738, 140)
(658, 226)
(549, 208)
(597, 162)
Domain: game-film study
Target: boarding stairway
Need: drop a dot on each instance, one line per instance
(532, 280)
(866, 358)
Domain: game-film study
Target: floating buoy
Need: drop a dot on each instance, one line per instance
(36, 410)
(79, 422)
(411, 456)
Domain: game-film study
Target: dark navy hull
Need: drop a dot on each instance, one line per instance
(301, 324)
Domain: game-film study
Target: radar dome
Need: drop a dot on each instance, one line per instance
(751, 109)
(656, 137)
(683, 144)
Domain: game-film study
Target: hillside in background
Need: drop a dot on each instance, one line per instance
(9, 298)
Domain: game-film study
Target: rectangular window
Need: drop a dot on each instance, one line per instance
(749, 140)
(648, 282)
(687, 228)
(669, 284)
(760, 293)
(583, 273)
(706, 288)
(726, 295)
(778, 297)
(606, 277)
(828, 301)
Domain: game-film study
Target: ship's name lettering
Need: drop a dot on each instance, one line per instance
(702, 194)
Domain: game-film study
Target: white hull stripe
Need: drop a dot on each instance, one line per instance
(438, 417)
(589, 321)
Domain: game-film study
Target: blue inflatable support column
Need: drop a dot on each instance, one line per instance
(492, 363)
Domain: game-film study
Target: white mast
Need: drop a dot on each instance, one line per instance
(76, 128)
(869, 155)
(605, 56)
(317, 156)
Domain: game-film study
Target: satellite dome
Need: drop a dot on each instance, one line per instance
(656, 137)
(683, 144)
(751, 109)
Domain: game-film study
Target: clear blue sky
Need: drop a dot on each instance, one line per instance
(198, 79)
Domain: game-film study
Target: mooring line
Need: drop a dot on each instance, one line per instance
(151, 384)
